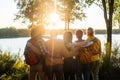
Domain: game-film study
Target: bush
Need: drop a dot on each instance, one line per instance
(110, 69)
(12, 67)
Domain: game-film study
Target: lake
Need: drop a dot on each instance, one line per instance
(17, 45)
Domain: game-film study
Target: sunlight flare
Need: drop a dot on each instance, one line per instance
(54, 17)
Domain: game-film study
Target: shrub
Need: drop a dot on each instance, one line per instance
(12, 67)
(110, 69)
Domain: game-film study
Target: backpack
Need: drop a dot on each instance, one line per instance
(30, 57)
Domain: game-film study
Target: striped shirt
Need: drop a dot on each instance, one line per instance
(95, 48)
(97, 44)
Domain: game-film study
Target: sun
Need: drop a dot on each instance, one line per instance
(54, 17)
(55, 22)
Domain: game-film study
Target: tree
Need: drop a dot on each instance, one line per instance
(72, 9)
(108, 14)
(116, 15)
(38, 11)
(116, 18)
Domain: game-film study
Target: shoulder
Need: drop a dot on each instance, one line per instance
(29, 40)
(40, 40)
(55, 41)
(97, 39)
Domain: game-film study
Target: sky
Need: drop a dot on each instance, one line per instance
(7, 14)
(8, 9)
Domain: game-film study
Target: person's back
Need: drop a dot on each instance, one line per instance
(70, 63)
(83, 69)
(54, 60)
(36, 35)
(57, 51)
(96, 53)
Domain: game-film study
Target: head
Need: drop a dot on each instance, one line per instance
(67, 36)
(90, 32)
(36, 32)
(79, 34)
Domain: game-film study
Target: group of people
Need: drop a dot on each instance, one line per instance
(61, 58)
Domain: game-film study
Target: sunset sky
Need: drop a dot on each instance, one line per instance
(95, 17)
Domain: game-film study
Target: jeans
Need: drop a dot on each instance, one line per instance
(36, 70)
(94, 67)
(83, 72)
(70, 68)
(55, 71)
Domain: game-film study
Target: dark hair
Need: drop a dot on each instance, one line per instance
(36, 31)
(67, 35)
(79, 32)
(90, 29)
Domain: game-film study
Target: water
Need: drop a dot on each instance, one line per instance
(13, 45)
(17, 45)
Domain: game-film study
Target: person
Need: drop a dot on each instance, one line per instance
(40, 51)
(95, 49)
(83, 69)
(70, 63)
(54, 60)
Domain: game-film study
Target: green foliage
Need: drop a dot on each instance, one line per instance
(12, 67)
(36, 11)
(116, 15)
(73, 9)
(39, 11)
(110, 68)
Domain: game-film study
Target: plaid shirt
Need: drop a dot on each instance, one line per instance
(42, 46)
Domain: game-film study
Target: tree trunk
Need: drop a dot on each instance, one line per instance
(119, 23)
(108, 20)
(111, 4)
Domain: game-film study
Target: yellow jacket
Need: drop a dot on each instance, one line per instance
(95, 49)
